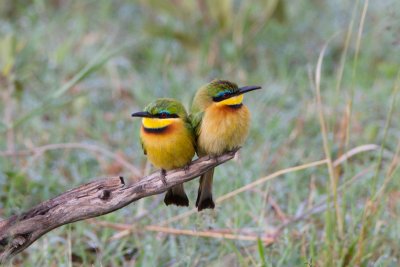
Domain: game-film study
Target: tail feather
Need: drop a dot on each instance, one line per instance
(176, 196)
(204, 196)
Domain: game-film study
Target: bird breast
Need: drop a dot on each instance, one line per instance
(223, 128)
(171, 148)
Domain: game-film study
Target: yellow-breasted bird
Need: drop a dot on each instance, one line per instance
(168, 140)
(221, 123)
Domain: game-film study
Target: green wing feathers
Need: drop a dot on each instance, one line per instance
(195, 120)
(189, 127)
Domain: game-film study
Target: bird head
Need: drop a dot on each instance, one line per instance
(224, 93)
(161, 113)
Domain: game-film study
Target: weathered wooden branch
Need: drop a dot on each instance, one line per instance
(91, 200)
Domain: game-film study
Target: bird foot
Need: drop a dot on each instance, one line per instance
(162, 175)
(235, 149)
(215, 157)
(186, 167)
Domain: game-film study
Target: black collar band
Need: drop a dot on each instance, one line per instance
(237, 106)
(155, 130)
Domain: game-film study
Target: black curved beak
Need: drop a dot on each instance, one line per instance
(247, 89)
(142, 114)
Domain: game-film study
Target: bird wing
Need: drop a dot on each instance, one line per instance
(143, 147)
(195, 120)
(190, 128)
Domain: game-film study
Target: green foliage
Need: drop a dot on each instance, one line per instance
(9, 48)
(74, 71)
(261, 251)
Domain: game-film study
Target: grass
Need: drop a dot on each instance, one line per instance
(72, 72)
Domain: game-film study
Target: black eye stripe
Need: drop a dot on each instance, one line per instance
(222, 97)
(165, 115)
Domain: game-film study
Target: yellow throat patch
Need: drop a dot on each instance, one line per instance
(235, 100)
(154, 123)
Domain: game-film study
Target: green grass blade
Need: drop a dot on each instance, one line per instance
(261, 252)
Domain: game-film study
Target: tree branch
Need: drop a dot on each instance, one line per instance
(91, 200)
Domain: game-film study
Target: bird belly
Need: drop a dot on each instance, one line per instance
(170, 149)
(223, 129)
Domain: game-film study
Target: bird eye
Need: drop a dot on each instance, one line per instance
(163, 115)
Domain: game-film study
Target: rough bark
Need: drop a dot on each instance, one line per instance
(91, 200)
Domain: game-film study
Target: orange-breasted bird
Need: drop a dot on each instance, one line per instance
(221, 124)
(168, 140)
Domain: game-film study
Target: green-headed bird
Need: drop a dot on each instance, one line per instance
(221, 124)
(168, 140)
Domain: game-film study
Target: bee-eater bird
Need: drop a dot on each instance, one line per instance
(168, 140)
(221, 124)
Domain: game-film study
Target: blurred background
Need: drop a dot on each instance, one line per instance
(72, 72)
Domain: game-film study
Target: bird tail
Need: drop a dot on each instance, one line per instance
(204, 195)
(176, 196)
